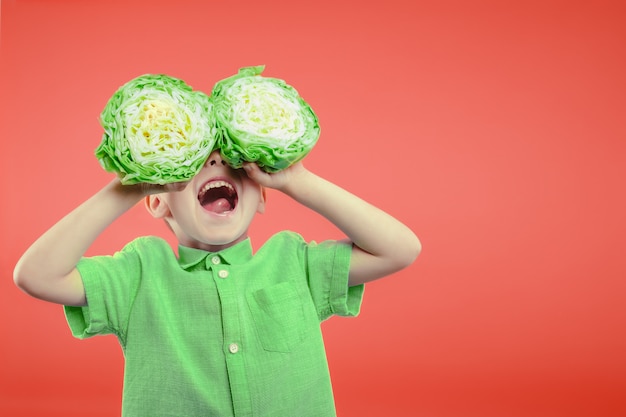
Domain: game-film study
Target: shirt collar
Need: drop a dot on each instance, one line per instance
(236, 254)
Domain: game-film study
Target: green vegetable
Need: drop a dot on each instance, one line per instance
(157, 130)
(262, 120)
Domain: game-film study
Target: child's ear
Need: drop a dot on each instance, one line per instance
(157, 206)
(261, 207)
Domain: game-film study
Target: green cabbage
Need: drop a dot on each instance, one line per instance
(157, 130)
(262, 120)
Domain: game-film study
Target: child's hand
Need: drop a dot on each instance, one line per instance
(145, 189)
(277, 180)
(165, 188)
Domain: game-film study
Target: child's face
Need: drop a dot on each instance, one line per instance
(214, 210)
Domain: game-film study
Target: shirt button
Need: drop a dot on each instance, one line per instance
(222, 273)
(215, 260)
(233, 348)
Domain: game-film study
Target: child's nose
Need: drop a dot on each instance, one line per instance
(214, 159)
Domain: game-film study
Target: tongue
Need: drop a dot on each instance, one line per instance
(221, 205)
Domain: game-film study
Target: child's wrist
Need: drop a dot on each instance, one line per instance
(298, 183)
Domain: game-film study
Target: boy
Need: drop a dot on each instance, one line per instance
(216, 330)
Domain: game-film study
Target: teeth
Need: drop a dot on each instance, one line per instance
(215, 184)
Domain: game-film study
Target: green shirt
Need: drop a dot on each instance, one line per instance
(221, 334)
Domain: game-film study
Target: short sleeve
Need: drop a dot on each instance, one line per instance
(328, 266)
(110, 284)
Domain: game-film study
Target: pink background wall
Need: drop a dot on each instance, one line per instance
(496, 130)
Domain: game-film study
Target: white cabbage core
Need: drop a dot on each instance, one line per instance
(158, 128)
(263, 110)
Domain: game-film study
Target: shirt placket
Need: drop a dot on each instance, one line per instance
(234, 350)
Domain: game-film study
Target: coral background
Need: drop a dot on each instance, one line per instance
(496, 130)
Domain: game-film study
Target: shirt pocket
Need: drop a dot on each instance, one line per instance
(279, 316)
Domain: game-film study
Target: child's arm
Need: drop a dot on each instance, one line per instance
(47, 270)
(381, 244)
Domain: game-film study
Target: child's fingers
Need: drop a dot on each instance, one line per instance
(147, 189)
(176, 186)
(255, 173)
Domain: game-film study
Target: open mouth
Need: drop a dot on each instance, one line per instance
(218, 196)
